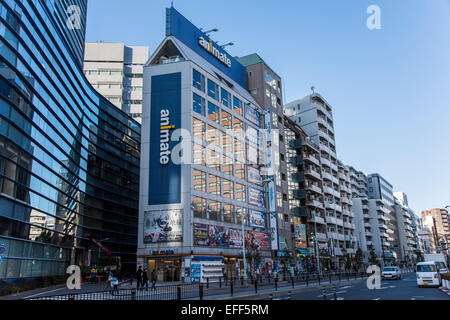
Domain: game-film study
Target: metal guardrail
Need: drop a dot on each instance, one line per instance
(221, 286)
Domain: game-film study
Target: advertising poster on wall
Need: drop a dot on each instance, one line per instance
(261, 240)
(254, 175)
(252, 114)
(200, 234)
(256, 197)
(300, 236)
(218, 236)
(235, 238)
(257, 219)
(163, 226)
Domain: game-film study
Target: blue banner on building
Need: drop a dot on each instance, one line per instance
(165, 116)
(181, 28)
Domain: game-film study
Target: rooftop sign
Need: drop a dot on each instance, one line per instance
(182, 29)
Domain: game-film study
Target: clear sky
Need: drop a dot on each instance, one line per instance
(389, 88)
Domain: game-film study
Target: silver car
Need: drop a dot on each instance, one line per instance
(391, 272)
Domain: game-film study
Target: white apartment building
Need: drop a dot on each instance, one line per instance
(314, 115)
(115, 71)
(407, 243)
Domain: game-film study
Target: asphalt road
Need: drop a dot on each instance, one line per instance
(404, 289)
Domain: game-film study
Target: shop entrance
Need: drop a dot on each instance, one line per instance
(230, 267)
(167, 268)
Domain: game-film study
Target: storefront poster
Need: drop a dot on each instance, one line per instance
(163, 226)
(252, 114)
(254, 175)
(256, 197)
(260, 239)
(257, 219)
(218, 236)
(235, 238)
(200, 234)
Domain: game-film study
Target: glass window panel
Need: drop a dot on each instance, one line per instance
(239, 171)
(213, 159)
(227, 121)
(227, 143)
(198, 129)
(213, 90)
(13, 268)
(199, 179)
(213, 185)
(213, 137)
(199, 207)
(228, 213)
(198, 80)
(198, 104)
(214, 210)
(237, 105)
(239, 148)
(199, 154)
(240, 192)
(238, 127)
(213, 112)
(225, 97)
(228, 190)
(227, 166)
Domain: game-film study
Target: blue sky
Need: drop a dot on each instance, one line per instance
(389, 88)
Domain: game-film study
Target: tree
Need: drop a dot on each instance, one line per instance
(285, 259)
(373, 258)
(253, 255)
(359, 258)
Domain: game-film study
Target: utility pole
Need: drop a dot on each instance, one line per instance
(435, 234)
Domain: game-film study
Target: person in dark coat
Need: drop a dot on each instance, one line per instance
(154, 277)
(145, 280)
(139, 274)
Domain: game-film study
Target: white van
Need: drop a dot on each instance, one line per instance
(427, 274)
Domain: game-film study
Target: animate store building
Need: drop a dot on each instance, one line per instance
(201, 161)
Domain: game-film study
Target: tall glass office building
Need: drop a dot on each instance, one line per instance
(69, 159)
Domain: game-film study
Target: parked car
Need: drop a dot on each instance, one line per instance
(427, 274)
(391, 272)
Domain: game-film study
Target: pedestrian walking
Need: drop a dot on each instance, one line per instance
(94, 274)
(114, 284)
(154, 278)
(139, 273)
(145, 280)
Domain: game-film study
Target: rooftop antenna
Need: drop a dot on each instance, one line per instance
(171, 4)
(312, 89)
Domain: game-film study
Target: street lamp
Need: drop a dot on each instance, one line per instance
(227, 44)
(209, 31)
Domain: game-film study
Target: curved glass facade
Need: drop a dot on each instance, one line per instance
(69, 159)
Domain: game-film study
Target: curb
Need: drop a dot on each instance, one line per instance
(284, 291)
(445, 290)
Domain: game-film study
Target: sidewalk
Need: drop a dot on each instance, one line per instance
(61, 289)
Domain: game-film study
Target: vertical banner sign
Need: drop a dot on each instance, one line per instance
(273, 219)
(165, 116)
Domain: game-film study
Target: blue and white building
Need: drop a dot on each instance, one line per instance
(201, 162)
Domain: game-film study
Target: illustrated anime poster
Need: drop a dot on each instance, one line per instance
(235, 238)
(257, 219)
(163, 226)
(260, 239)
(218, 236)
(200, 234)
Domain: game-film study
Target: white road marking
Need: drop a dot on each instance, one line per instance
(376, 299)
(329, 294)
(340, 298)
(346, 287)
(38, 294)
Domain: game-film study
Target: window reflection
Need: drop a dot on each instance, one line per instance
(213, 112)
(199, 179)
(213, 185)
(228, 190)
